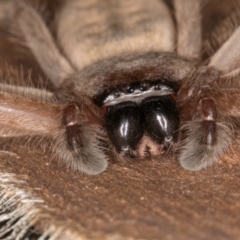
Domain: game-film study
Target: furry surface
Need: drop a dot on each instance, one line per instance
(148, 199)
(115, 57)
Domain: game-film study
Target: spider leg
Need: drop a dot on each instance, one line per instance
(223, 69)
(227, 101)
(74, 131)
(207, 136)
(38, 39)
(208, 132)
(227, 59)
(188, 16)
(222, 72)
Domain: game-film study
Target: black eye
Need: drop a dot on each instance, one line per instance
(144, 86)
(160, 118)
(158, 86)
(123, 124)
(130, 89)
(116, 94)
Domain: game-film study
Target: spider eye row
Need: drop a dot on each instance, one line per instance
(136, 92)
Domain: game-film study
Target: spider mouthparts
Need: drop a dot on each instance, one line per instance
(148, 147)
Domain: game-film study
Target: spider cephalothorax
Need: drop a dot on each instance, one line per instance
(139, 102)
(123, 74)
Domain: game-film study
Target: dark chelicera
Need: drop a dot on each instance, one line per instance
(124, 125)
(160, 118)
(140, 109)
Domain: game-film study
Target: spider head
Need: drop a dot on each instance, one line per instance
(137, 95)
(141, 118)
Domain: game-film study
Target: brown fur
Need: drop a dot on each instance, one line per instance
(188, 22)
(116, 43)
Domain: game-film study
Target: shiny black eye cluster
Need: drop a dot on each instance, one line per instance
(138, 110)
(135, 90)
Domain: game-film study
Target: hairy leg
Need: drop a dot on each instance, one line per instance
(189, 39)
(38, 39)
(206, 137)
(73, 130)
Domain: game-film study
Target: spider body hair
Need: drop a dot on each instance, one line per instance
(109, 59)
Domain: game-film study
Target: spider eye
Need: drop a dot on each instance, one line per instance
(160, 118)
(123, 124)
(158, 86)
(144, 86)
(130, 89)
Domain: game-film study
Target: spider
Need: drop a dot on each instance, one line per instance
(127, 76)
